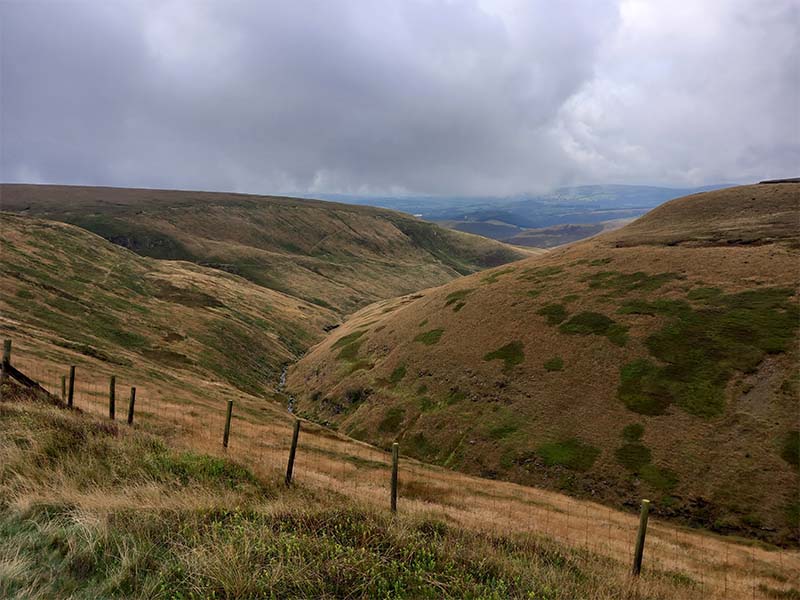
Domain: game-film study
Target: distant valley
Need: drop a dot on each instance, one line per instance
(535, 220)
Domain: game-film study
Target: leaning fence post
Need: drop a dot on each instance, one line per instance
(292, 452)
(6, 360)
(395, 460)
(63, 388)
(227, 424)
(112, 400)
(71, 389)
(637, 556)
(130, 406)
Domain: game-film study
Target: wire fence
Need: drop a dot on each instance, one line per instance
(261, 438)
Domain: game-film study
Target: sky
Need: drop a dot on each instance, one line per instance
(398, 97)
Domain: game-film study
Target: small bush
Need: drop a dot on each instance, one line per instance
(554, 364)
(429, 337)
(511, 354)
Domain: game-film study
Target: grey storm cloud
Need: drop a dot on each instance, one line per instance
(385, 96)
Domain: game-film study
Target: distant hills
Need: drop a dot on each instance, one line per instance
(510, 218)
(657, 360)
(337, 256)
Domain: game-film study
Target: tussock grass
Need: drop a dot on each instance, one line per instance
(429, 337)
(572, 454)
(75, 523)
(511, 354)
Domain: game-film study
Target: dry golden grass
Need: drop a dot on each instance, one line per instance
(679, 562)
(491, 418)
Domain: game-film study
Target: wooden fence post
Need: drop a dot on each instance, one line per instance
(292, 452)
(71, 389)
(395, 460)
(637, 555)
(112, 400)
(63, 388)
(130, 406)
(227, 424)
(6, 360)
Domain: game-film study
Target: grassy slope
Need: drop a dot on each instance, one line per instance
(335, 255)
(90, 509)
(658, 359)
(69, 290)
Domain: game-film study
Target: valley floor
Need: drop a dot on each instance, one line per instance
(94, 508)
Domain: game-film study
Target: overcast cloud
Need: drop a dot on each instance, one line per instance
(393, 97)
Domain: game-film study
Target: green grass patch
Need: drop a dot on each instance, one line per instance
(493, 277)
(592, 323)
(502, 431)
(659, 478)
(623, 283)
(701, 349)
(349, 352)
(633, 456)
(348, 339)
(533, 293)
(633, 432)
(456, 395)
(710, 295)
(511, 354)
(540, 274)
(572, 454)
(790, 449)
(426, 404)
(657, 307)
(456, 299)
(640, 388)
(570, 298)
(397, 375)
(429, 338)
(555, 313)
(599, 262)
(554, 364)
(392, 420)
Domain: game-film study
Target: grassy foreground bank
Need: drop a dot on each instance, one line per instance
(91, 509)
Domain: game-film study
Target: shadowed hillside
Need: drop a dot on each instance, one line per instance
(659, 359)
(337, 256)
(68, 287)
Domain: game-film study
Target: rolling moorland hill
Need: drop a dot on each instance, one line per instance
(66, 289)
(96, 508)
(336, 256)
(659, 359)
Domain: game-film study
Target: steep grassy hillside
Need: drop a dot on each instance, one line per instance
(334, 255)
(95, 510)
(659, 360)
(70, 290)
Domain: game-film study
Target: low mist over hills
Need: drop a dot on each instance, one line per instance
(658, 359)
